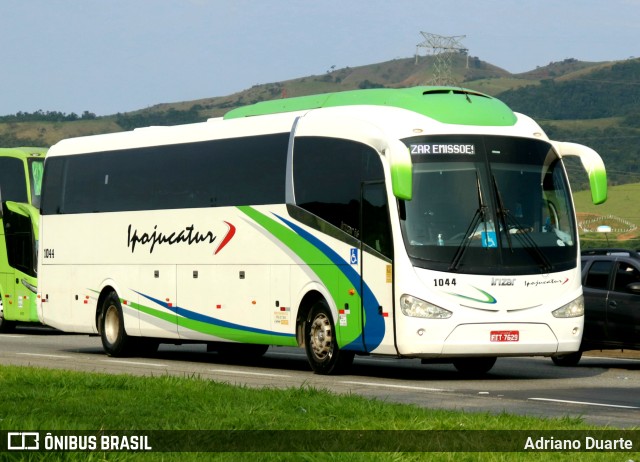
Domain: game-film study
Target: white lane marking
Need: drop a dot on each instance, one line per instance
(44, 356)
(133, 363)
(13, 336)
(586, 403)
(387, 361)
(607, 358)
(284, 354)
(383, 360)
(405, 387)
(259, 374)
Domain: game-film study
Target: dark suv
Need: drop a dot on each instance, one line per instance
(611, 286)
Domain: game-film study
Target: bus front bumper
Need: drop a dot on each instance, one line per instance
(498, 339)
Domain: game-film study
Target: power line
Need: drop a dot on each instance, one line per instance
(443, 49)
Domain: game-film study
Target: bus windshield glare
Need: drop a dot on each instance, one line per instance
(488, 205)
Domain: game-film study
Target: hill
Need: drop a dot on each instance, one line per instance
(591, 103)
(558, 91)
(620, 212)
(567, 90)
(604, 91)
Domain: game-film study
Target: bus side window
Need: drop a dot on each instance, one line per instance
(376, 229)
(329, 175)
(13, 180)
(327, 180)
(225, 172)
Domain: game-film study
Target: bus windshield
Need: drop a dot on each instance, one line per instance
(488, 205)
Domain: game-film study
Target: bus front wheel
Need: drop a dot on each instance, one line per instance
(568, 360)
(115, 340)
(5, 326)
(474, 366)
(320, 343)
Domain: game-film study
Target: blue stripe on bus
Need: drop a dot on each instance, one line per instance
(185, 313)
(374, 323)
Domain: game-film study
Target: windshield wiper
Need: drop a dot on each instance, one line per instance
(527, 242)
(502, 211)
(478, 216)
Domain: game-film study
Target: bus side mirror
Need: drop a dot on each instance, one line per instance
(592, 163)
(401, 170)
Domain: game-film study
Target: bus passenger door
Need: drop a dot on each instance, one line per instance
(376, 269)
(19, 302)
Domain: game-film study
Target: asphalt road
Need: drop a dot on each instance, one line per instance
(601, 390)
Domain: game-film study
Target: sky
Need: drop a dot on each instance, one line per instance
(110, 56)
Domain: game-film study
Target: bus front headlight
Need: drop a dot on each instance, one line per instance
(570, 310)
(416, 308)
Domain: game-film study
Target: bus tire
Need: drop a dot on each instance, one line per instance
(5, 326)
(115, 340)
(568, 360)
(474, 367)
(320, 343)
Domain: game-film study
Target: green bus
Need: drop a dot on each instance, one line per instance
(20, 182)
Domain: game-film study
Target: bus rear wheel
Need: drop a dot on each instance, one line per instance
(321, 345)
(115, 340)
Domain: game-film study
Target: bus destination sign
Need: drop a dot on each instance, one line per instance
(443, 148)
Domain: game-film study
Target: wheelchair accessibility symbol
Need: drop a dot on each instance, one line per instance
(489, 239)
(354, 256)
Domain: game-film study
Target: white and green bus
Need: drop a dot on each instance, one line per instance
(428, 222)
(20, 181)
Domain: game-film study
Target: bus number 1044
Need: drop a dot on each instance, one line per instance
(48, 253)
(444, 282)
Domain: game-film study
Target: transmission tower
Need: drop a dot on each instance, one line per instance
(443, 49)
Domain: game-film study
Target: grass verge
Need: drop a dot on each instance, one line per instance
(51, 400)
